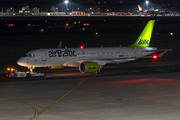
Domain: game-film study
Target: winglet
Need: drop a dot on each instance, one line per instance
(160, 55)
(60, 44)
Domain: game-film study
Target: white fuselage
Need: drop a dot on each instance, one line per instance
(72, 57)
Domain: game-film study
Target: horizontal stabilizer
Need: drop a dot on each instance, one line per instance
(160, 55)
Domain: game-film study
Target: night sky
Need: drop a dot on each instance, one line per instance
(154, 1)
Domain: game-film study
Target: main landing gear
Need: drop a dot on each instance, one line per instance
(100, 71)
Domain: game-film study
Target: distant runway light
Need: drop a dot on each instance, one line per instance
(42, 30)
(96, 33)
(171, 33)
(10, 25)
(86, 24)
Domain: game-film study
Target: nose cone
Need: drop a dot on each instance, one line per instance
(22, 62)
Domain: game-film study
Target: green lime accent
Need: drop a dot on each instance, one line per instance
(145, 36)
(33, 67)
(89, 67)
(60, 45)
(58, 67)
(160, 55)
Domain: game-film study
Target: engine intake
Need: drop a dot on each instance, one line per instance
(88, 67)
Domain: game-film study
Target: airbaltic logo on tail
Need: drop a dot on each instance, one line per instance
(143, 42)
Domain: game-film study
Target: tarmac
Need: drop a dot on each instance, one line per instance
(122, 93)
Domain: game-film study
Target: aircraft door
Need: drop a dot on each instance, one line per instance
(44, 56)
(133, 52)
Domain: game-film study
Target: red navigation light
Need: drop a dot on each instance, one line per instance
(81, 47)
(154, 56)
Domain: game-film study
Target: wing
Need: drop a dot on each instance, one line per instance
(101, 62)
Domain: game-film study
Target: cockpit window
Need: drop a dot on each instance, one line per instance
(29, 55)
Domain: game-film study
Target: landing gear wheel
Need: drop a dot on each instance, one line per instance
(100, 72)
(28, 75)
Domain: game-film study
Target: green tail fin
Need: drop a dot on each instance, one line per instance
(145, 36)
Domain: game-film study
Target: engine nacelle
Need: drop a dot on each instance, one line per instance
(88, 67)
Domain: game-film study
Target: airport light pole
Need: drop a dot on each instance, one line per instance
(66, 2)
(147, 2)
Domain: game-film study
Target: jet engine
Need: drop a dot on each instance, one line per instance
(88, 67)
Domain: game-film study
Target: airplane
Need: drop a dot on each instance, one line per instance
(152, 13)
(90, 60)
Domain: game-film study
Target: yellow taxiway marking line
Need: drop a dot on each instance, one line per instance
(59, 99)
(36, 110)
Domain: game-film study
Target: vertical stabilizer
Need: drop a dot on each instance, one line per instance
(140, 8)
(145, 36)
